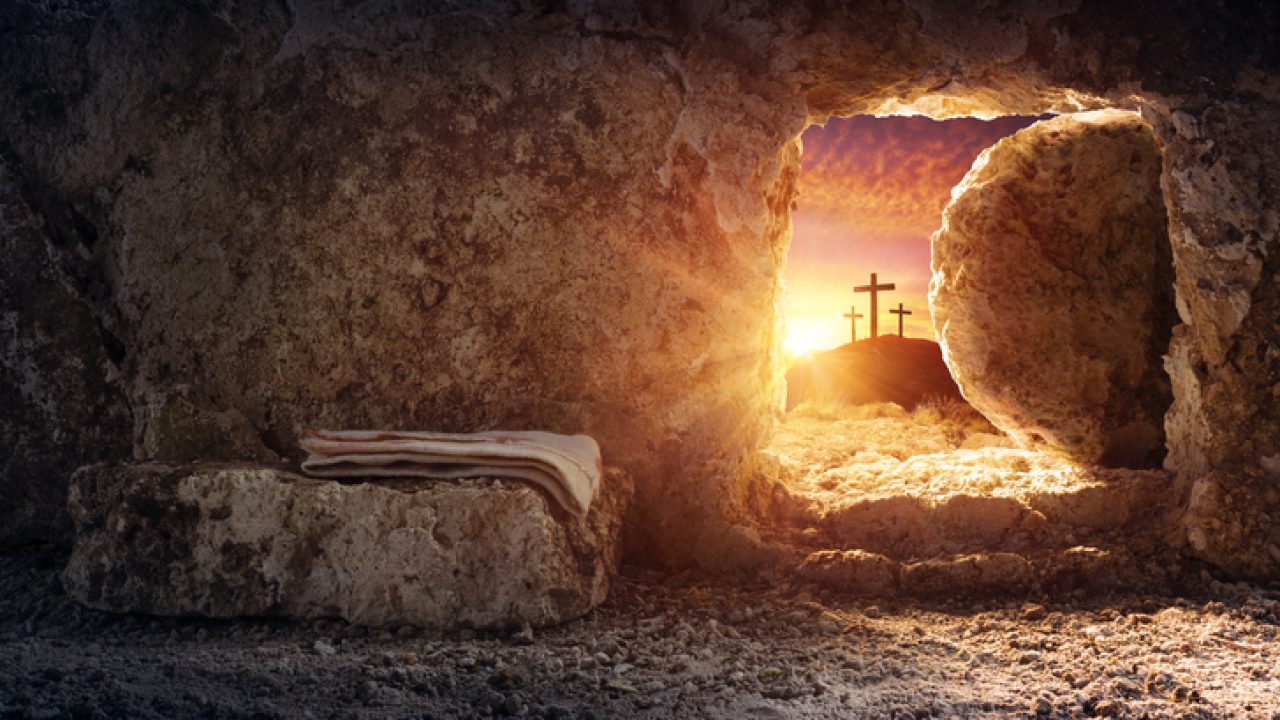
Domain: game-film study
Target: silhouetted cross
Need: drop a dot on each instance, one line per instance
(873, 288)
(900, 312)
(853, 316)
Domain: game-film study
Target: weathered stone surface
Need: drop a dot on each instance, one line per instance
(977, 574)
(990, 574)
(1231, 521)
(1052, 288)
(856, 572)
(61, 403)
(566, 216)
(183, 429)
(238, 540)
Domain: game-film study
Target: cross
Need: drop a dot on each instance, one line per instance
(900, 312)
(873, 288)
(853, 316)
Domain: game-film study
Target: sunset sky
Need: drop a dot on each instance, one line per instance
(872, 191)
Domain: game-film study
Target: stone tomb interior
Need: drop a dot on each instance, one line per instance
(226, 223)
(1017, 488)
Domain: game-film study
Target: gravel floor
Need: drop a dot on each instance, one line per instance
(661, 647)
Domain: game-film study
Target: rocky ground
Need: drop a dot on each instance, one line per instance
(661, 647)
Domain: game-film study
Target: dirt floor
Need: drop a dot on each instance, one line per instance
(661, 647)
(675, 647)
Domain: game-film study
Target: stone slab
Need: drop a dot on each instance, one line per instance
(235, 540)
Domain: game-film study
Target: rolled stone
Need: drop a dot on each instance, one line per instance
(1052, 291)
(224, 541)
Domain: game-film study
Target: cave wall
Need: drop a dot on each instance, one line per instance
(273, 216)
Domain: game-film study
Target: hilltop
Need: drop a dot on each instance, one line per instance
(889, 368)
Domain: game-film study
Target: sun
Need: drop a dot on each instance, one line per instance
(802, 339)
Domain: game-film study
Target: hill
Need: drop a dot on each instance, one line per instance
(905, 371)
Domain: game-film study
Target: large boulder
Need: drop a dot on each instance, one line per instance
(1052, 288)
(230, 540)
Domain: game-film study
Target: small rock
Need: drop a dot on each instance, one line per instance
(525, 636)
(1040, 707)
(1107, 708)
(771, 673)
(1033, 612)
(507, 677)
(323, 648)
(493, 700)
(1096, 632)
(872, 611)
(620, 685)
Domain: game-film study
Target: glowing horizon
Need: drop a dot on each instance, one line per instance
(872, 191)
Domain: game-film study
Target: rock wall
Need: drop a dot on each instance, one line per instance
(452, 221)
(61, 404)
(568, 216)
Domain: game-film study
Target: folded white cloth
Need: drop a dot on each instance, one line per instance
(568, 467)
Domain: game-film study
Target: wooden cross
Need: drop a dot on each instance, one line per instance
(900, 312)
(873, 288)
(853, 316)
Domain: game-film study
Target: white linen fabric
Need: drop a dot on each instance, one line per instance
(568, 467)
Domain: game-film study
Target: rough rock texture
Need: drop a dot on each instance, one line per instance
(855, 572)
(1231, 520)
(1052, 291)
(910, 487)
(227, 541)
(61, 404)
(565, 216)
(917, 514)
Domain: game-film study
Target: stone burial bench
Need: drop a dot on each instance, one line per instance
(237, 540)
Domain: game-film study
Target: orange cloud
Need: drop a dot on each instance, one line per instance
(892, 173)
